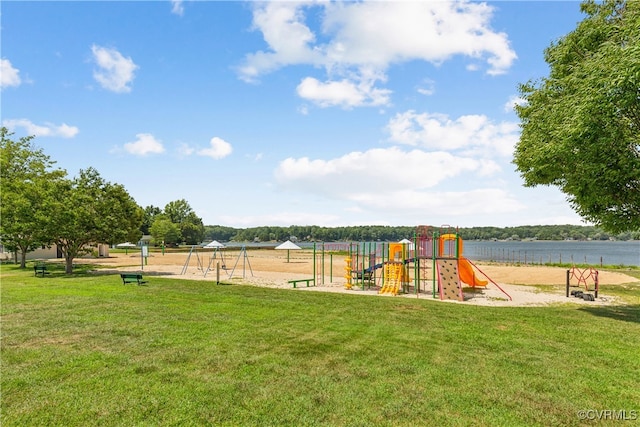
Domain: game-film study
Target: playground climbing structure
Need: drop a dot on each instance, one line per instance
(453, 269)
(431, 259)
(582, 277)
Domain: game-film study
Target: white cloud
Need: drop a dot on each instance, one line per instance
(512, 102)
(392, 181)
(185, 150)
(360, 40)
(344, 93)
(451, 203)
(382, 169)
(303, 109)
(386, 32)
(438, 131)
(218, 149)
(48, 129)
(289, 39)
(145, 144)
(9, 76)
(115, 72)
(427, 88)
(177, 7)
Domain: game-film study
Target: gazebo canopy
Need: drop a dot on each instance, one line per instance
(126, 245)
(288, 245)
(214, 244)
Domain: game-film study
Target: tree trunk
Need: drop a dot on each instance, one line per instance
(68, 265)
(23, 258)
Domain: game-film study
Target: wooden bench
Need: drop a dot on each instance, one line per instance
(40, 269)
(307, 281)
(132, 278)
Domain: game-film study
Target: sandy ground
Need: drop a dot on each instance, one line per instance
(270, 268)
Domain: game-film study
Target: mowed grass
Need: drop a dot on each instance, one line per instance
(85, 350)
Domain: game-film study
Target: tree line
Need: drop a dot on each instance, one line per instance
(397, 233)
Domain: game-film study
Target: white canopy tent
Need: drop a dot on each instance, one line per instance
(288, 245)
(214, 244)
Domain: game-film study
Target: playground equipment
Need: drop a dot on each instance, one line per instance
(405, 266)
(583, 277)
(216, 255)
(394, 278)
(318, 262)
(245, 262)
(453, 269)
(396, 274)
(347, 273)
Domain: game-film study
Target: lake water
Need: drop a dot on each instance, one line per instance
(542, 251)
(532, 252)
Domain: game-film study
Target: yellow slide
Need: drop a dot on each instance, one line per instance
(467, 275)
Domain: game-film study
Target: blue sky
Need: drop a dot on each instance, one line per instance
(283, 113)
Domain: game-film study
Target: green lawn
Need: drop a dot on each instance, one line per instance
(85, 350)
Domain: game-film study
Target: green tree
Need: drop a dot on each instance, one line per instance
(88, 210)
(26, 182)
(150, 213)
(192, 229)
(163, 230)
(177, 211)
(581, 124)
(219, 232)
(191, 226)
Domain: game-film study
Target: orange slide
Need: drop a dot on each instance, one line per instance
(467, 275)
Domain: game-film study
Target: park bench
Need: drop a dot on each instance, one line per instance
(40, 270)
(132, 278)
(295, 282)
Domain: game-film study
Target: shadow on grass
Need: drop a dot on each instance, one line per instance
(627, 313)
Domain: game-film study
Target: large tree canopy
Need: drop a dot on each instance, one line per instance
(27, 180)
(89, 210)
(191, 226)
(581, 124)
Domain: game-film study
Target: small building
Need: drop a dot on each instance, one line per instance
(53, 252)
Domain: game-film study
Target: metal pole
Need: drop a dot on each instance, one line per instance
(331, 267)
(434, 254)
(323, 263)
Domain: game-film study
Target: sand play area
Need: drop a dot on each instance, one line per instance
(271, 268)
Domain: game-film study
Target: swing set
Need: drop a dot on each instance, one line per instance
(216, 258)
(216, 255)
